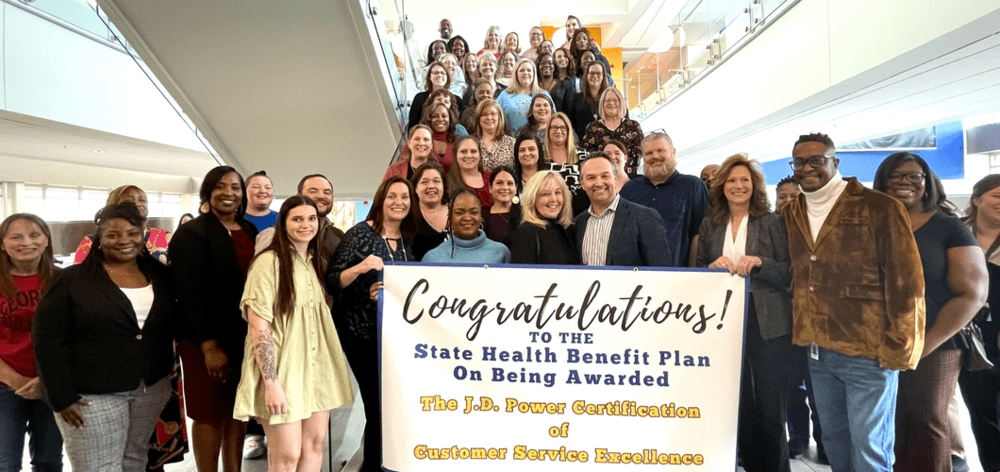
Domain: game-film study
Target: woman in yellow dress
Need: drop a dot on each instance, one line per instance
(294, 371)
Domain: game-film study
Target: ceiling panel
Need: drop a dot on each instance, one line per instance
(960, 83)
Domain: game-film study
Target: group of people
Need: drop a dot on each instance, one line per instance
(862, 292)
(563, 97)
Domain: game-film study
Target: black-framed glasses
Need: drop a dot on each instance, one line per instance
(813, 161)
(914, 178)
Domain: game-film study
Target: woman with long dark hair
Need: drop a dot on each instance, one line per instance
(616, 150)
(435, 50)
(567, 82)
(458, 46)
(27, 267)
(956, 284)
(981, 389)
(742, 235)
(431, 191)
(104, 339)
(468, 170)
(442, 121)
(209, 258)
(352, 279)
(529, 158)
(501, 219)
(295, 372)
(583, 107)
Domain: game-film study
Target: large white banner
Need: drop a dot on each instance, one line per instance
(559, 369)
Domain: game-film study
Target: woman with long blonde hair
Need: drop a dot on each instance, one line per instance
(546, 236)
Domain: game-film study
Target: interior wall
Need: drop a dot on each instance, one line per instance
(17, 169)
(816, 46)
(58, 74)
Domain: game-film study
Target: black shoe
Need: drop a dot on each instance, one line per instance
(821, 455)
(796, 448)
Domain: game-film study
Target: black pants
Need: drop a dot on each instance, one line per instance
(362, 354)
(981, 391)
(768, 369)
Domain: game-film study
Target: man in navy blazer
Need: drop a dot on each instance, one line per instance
(615, 231)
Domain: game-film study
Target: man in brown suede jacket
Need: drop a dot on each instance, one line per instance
(858, 303)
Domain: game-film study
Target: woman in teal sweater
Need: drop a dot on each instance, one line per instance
(468, 243)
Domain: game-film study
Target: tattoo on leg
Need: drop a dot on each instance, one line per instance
(264, 351)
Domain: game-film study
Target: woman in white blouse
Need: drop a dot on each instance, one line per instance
(740, 234)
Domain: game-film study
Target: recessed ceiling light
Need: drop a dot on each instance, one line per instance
(99, 151)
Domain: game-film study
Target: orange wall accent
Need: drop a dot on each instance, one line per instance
(614, 57)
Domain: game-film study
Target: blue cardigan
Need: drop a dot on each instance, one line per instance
(478, 250)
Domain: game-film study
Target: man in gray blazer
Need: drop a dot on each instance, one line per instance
(615, 231)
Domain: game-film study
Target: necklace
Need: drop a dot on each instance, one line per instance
(399, 245)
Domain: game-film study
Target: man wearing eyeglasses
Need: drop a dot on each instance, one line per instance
(535, 38)
(858, 303)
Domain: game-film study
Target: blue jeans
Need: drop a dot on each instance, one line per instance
(19, 416)
(856, 399)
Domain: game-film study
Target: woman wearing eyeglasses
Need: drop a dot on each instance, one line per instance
(563, 157)
(956, 284)
(437, 78)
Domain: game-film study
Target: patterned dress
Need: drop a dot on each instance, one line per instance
(628, 132)
(501, 155)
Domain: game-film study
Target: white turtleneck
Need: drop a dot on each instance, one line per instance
(820, 202)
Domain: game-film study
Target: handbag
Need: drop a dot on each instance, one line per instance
(974, 357)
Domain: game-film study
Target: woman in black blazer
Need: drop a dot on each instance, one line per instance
(209, 258)
(546, 235)
(741, 235)
(103, 335)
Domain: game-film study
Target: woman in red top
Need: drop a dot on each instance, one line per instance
(26, 266)
(209, 259)
(467, 170)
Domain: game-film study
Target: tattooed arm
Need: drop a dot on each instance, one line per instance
(267, 362)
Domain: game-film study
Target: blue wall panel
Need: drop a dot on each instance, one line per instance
(947, 159)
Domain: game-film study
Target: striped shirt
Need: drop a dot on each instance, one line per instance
(595, 238)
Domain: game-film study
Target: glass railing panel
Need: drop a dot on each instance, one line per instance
(698, 36)
(730, 24)
(400, 51)
(79, 13)
(769, 7)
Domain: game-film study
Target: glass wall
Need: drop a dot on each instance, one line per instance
(704, 33)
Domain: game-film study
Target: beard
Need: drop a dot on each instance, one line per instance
(326, 212)
(658, 172)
